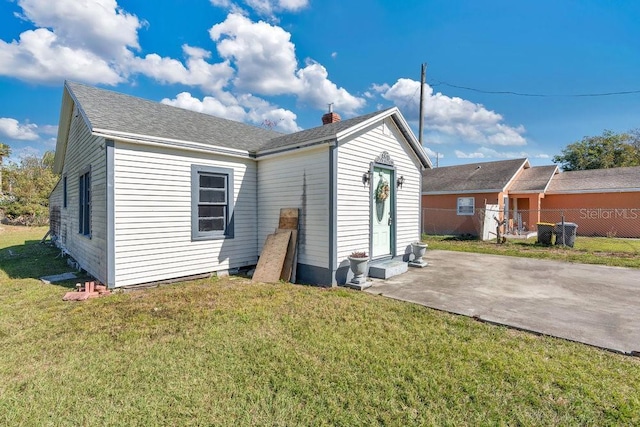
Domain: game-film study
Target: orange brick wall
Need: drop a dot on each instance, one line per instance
(439, 213)
(599, 214)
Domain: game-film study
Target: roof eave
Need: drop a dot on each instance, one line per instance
(167, 142)
(513, 177)
(298, 147)
(555, 171)
(312, 142)
(595, 190)
(411, 138)
(64, 124)
(452, 193)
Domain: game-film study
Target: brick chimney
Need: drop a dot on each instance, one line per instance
(330, 117)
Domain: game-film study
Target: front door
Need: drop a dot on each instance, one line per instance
(382, 215)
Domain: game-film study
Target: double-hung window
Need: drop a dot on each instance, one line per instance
(466, 205)
(211, 202)
(84, 203)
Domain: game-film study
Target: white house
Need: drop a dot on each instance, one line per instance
(150, 192)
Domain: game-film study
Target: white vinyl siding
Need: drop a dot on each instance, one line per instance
(85, 152)
(297, 180)
(153, 215)
(354, 158)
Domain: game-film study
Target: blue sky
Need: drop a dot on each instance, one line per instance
(285, 60)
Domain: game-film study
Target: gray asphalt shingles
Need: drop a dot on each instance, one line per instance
(112, 111)
(489, 176)
(116, 112)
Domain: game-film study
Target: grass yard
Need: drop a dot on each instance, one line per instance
(229, 352)
(588, 250)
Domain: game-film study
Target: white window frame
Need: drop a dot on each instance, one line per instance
(466, 206)
(196, 203)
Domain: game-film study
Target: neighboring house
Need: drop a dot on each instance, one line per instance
(603, 202)
(150, 192)
(509, 186)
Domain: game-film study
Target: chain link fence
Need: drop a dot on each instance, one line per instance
(602, 222)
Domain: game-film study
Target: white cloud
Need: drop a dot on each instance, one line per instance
(49, 129)
(266, 64)
(452, 116)
(197, 72)
(334, 55)
(12, 129)
(432, 153)
(490, 153)
(244, 108)
(380, 88)
(263, 54)
(318, 91)
(38, 56)
(95, 41)
(98, 26)
(462, 155)
(81, 40)
(266, 8)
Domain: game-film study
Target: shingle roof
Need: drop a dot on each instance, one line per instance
(118, 115)
(534, 179)
(112, 111)
(594, 180)
(320, 133)
(474, 177)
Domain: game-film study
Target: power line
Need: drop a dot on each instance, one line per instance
(538, 95)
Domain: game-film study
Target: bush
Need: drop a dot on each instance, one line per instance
(25, 214)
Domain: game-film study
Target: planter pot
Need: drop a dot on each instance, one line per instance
(359, 268)
(418, 249)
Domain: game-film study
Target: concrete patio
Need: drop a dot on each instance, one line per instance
(595, 305)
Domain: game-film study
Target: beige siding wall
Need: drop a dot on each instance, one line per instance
(298, 180)
(84, 151)
(153, 215)
(354, 159)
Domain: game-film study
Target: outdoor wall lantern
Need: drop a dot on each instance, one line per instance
(366, 178)
(400, 181)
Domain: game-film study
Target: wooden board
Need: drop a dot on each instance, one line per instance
(274, 252)
(288, 219)
(288, 267)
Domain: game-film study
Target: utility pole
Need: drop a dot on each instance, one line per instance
(422, 81)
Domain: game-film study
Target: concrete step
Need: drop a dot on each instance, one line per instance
(387, 268)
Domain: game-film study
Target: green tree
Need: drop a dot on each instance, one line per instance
(609, 150)
(32, 180)
(5, 151)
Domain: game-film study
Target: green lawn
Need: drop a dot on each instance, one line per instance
(588, 250)
(229, 352)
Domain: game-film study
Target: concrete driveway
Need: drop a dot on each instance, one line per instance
(591, 304)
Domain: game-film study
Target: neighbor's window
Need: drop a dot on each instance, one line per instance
(211, 202)
(84, 203)
(466, 205)
(64, 191)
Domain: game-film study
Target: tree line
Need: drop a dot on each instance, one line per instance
(609, 150)
(25, 187)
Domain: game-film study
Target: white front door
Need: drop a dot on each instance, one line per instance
(382, 215)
